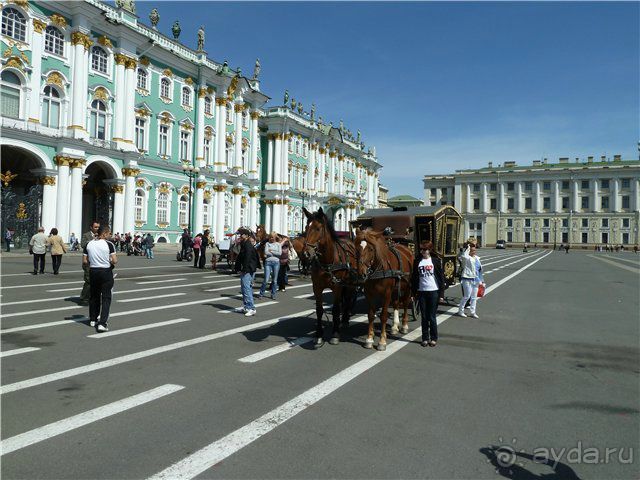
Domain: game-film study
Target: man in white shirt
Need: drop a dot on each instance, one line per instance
(38, 244)
(100, 257)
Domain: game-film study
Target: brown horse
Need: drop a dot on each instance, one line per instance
(386, 271)
(332, 262)
(298, 245)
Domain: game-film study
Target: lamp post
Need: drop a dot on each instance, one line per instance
(191, 172)
(303, 194)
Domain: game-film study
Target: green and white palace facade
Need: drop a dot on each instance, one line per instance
(104, 117)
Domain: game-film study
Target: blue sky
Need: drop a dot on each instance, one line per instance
(441, 86)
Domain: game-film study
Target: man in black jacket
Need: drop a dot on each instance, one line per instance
(247, 263)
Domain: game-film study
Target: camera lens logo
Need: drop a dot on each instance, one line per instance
(506, 455)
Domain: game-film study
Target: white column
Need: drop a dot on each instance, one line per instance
(469, 202)
(121, 98)
(484, 199)
(213, 214)
(519, 198)
(321, 169)
(253, 152)
(595, 198)
(118, 207)
(198, 220)
(202, 92)
(557, 203)
(615, 195)
(237, 206)
(253, 209)
(376, 189)
(537, 200)
(220, 164)
(270, 165)
(276, 216)
(575, 199)
(36, 70)
(502, 204)
(341, 189)
(311, 175)
(48, 220)
(130, 98)
(237, 157)
(130, 174)
(277, 164)
(332, 172)
(220, 192)
(438, 195)
(284, 159)
(80, 42)
(636, 195)
(75, 212)
(62, 202)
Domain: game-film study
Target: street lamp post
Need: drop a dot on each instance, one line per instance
(303, 194)
(192, 173)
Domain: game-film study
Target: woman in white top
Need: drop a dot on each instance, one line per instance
(427, 285)
(471, 278)
(272, 252)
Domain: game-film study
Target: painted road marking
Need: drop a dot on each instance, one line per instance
(52, 377)
(17, 351)
(205, 458)
(34, 312)
(148, 289)
(140, 299)
(40, 300)
(166, 280)
(66, 425)
(81, 271)
(631, 269)
(136, 329)
(42, 284)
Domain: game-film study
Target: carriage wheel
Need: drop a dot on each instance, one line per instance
(189, 256)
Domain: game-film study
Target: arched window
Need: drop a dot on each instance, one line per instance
(98, 121)
(205, 213)
(54, 41)
(51, 107)
(297, 147)
(140, 204)
(165, 88)
(186, 96)
(208, 137)
(244, 119)
(10, 93)
(228, 110)
(142, 79)
(183, 205)
(162, 208)
(99, 60)
(14, 24)
(207, 105)
(229, 153)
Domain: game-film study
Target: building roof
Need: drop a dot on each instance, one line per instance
(404, 198)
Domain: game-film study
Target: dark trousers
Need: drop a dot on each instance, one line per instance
(86, 288)
(203, 257)
(428, 310)
(38, 258)
(196, 256)
(282, 276)
(100, 301)
(8, 244)
(56, 260)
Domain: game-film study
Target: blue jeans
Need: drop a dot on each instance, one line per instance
(247, 291)
(270, 270)
(149, 252)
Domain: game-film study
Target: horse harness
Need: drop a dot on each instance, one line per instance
(381, 273)
(331, 268)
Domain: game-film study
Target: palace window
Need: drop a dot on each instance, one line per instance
(228, 116)
(493, 187)
(527, 186)
(99, 60)
(476, 187)
(604, 202)
(183, 205)
(163, 140)
(207, 150)
(205, 213)
(141, 137)
(476, 204)
(625, 223)
(604, 183)
(625, 201)
(527, 222)
(584, 203)
(585, 223)
(626, 183)
(245, 124)
(493, 202)
(207, 105)
(546, 186)
(98, 120)
(185, 140)
(162, 208)
(54, 41)
(139, 204)
(546, 203)
(510, 186)
(14, 24)
(585, 184)
(605, 223)
(433, 191)
(527, 203)
(51, 107)
(142, 79)
(290, 147)
(510, 203)
(545, 223)
(186, 96)
(165, 88)
(565, 223)
(11, 94)
(565, 202)
(565, 184)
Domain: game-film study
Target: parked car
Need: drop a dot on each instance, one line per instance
(501, 244)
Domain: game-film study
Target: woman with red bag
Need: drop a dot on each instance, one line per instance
(471, 278)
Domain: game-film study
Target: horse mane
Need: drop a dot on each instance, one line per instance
(322, 218)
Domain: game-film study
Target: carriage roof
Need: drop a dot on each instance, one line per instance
(409, 212)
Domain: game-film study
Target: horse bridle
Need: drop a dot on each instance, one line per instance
(328, 268)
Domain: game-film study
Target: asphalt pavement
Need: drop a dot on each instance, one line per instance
(544, 384)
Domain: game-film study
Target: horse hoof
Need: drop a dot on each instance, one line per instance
(405, 329)
(394, 331)
(334, 341)
(368, 344)
(382, 347)
(319, 343)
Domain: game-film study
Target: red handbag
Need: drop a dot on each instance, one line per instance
(480, 290)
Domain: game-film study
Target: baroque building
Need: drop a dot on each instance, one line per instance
(583, 202)
(105, 117)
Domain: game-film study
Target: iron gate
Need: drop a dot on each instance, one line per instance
(21, 213)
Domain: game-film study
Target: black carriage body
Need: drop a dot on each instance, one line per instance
(412, 225)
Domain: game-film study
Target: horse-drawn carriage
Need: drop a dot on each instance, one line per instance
(411, 225)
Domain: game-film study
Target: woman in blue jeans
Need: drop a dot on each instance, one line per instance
(272, 252)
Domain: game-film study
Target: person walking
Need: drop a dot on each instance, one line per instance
(8, 236)
(272, 253)
(38, 247)
(283, 278)
(215, 251)
(247, 262)
(471, 278)
(149, 243)
(86, 238)
(58, 248)
(197, 241)
(99, 256)
(427, 286)
(525, 248)
(185, 242)
(203, 250)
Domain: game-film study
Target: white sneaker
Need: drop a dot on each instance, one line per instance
(102, 328)
(240, 310)
(474, 315)
(250, 313)
(461, 314)
(92, 323)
